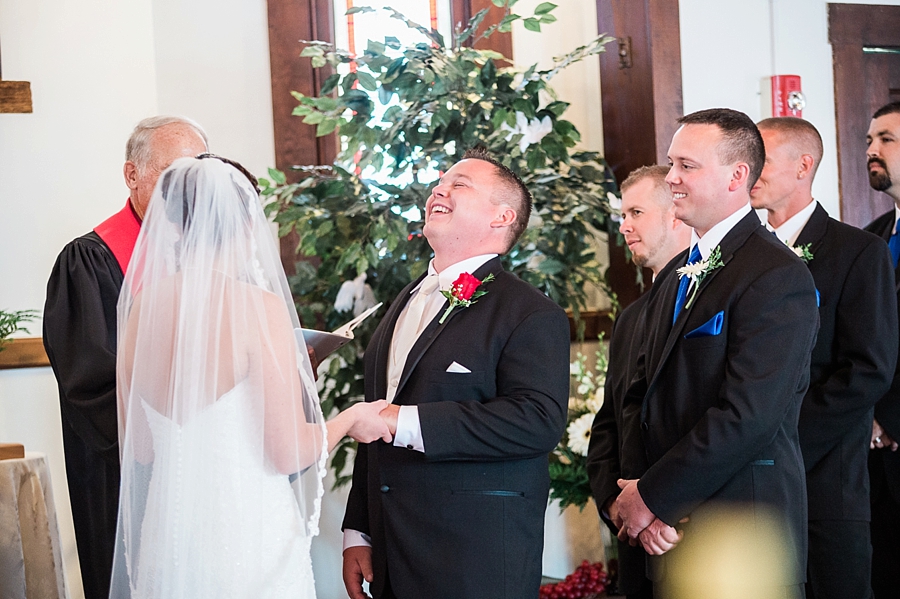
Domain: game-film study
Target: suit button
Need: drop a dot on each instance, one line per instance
(645, 426)
(394, 382)
(385, 488)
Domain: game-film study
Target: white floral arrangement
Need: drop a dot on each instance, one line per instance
(568, 472)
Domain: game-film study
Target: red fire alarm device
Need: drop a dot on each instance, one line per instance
(782, 95)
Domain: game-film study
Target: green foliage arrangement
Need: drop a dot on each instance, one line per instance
(11, 322)
(569, 482)
(443, 99)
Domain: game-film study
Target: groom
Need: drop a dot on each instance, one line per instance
(724, 366)
(454, 507)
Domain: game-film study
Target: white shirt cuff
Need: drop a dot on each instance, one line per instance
(409, 429)
(354, 538)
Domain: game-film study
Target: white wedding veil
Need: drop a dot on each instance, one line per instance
(222, 438)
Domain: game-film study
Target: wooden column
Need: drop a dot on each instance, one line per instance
(640, 81)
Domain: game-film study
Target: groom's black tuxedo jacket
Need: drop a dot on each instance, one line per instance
(853, 363)
(885, 464)
(720, 410)
(466, 518)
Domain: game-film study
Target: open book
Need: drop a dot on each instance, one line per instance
(324, 343)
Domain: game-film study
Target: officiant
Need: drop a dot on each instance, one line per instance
(80, 339)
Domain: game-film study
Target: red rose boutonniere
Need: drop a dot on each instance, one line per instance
(463, 292)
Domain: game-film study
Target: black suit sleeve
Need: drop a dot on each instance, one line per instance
(770, 334)
(80, 339)
(602, 462)
(527, 417)
(865, 354)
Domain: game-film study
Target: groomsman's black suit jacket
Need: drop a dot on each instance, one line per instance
(466, 518)
(720, 410)
(853, 363)
(885, 464)
(616, 448)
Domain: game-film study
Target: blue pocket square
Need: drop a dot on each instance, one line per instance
(710, 328)
(818, 298)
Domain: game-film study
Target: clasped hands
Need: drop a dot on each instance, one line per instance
(637, 524)
(374, 420)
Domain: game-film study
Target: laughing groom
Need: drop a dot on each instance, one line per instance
(454, 507)
(725, 363)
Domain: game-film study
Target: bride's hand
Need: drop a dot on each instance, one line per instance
(366, 423)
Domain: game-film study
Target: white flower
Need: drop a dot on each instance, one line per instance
(595, 402)
(692, 270)
(798, 251)
(583, 388)
(615, 203)
(532, 131)
(579, 432)
(575, 368)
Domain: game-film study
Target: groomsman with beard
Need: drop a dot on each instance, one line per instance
(883, 156)
(654, 236)
(853, 360)
(724, 367)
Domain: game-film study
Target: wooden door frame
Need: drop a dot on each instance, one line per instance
(850, 27)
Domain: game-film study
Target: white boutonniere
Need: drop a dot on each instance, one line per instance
(697, 271)
(802, 252)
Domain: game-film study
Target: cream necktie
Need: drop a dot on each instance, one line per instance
(408, 330)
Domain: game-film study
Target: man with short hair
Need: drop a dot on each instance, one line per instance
(724, 366)
(80, 339)
(454, 507)
(852, 362)
(654, 236)
(883, 158)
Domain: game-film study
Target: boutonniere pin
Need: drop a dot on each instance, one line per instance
(697, 271)
(463, 292)
(803, 252)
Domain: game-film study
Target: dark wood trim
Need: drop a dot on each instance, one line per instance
(24, 352)
(875, 24)
(850, 27)
(595, 324)
(640, 103)
(15, 97)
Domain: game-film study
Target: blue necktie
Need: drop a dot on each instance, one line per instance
(681, 298)
(894, 244)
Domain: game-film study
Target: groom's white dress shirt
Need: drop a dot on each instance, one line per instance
(409, 429)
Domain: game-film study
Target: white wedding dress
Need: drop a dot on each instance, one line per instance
(266, 556)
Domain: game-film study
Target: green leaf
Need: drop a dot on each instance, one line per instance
(314, 118)
(532, 24)
(499, 3)
(318, 62)
(548, 19)
(359, 9)
(367, 81)
(327, 126)
(544, 8)
(277, 176)
(312, 51)
(330, 84)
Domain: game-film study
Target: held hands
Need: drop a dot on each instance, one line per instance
(366, 424)
(880, 438)
(637, 524)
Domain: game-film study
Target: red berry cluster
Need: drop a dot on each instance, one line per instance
(586, 581)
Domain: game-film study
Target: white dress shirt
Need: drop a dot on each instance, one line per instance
(715, 235)
(409, 428)
(790, 229)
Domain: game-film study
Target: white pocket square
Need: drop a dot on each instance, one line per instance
(457, 367)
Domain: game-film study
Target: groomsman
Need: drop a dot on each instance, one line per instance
(852, 362)
(654, 236)
(454, 507)
(725, 363)
(883, 156)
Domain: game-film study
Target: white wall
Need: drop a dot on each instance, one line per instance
(727, 47)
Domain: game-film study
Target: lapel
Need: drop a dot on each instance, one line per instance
(813, 232)
(884, 230)
(435, 327)
(732, 241)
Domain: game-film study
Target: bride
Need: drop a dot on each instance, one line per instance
(222, 438)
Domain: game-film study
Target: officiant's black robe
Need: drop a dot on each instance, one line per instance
(80, 339)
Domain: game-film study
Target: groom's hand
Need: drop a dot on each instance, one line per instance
(357, 566)
(389, 415)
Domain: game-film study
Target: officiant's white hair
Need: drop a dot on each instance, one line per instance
(137, 150)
